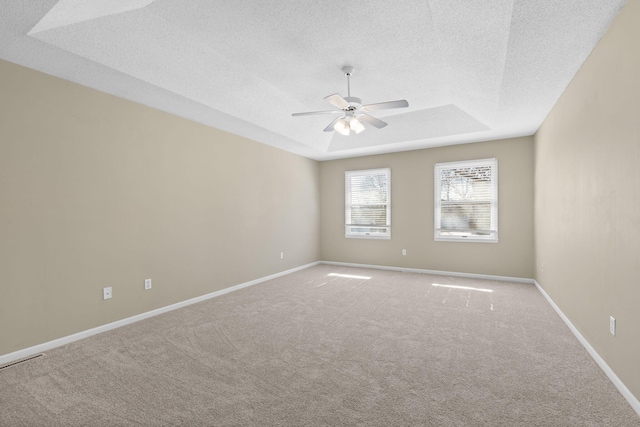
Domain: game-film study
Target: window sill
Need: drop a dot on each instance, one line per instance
(464, 240)
(348, 236)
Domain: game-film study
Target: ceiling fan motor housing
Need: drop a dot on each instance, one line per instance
(355, 103)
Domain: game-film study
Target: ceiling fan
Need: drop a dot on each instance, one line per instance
(352, 111)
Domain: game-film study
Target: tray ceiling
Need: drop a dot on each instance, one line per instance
(471, 71)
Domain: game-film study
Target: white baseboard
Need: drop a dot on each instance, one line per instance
(21, 354)
(438, 272)
(633, 401)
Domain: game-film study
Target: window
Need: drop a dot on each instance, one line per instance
(368, 203)
(466, 201)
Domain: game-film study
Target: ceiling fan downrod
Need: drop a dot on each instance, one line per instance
(348, 70)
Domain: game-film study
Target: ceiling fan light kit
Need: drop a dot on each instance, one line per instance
(353, 111)
(346, 124)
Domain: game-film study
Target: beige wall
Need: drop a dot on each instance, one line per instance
(97, 191)
(587, 198)
(412, 212)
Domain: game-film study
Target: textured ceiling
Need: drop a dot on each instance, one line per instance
(471, 71)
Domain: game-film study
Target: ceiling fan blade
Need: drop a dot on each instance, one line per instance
(372, 120)
(402, 103)
(313, 113)
(338, 101)
(330, 127)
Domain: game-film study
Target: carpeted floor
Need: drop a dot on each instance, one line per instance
(316, 349)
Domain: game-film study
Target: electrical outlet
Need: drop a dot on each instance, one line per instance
(404, 252)
(612, 325)
(107, 293)
(281, 255)
(147, 283)
(543, 268)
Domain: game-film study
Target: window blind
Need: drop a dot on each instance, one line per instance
(367, 203)
(466, 200)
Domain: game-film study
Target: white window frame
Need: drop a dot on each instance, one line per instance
(352, 230)
(467, 235)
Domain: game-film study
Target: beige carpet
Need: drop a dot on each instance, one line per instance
(314, 349)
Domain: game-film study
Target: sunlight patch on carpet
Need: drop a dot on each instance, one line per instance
(349, 276)
(466, 288)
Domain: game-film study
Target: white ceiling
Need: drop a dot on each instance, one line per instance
(471, 70)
